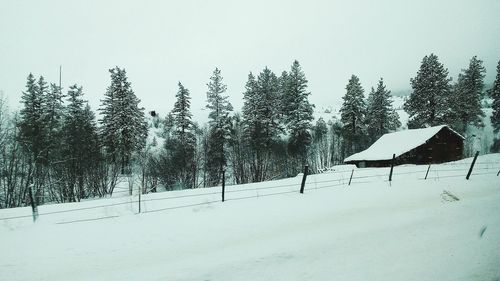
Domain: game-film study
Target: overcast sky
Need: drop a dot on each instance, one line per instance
(162, 42)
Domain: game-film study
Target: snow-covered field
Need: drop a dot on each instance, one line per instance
(442, 228)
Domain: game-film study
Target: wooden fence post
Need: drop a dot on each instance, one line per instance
(306, 170)
(223, 183)
(34, 208)
(472, 165)
(392, 167)
(350, 179)
(427, 171)
(140, 191)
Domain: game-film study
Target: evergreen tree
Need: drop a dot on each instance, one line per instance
(495, 95)
(239, 150)
(53, 114)
(428, 104)
(182, 117)
(283, 88)
(261, 118)
(218, 103)
(30, 117)
(353, 116)
(183, 143)
(124, 129)
(381, 117)
(252, 127)
(72, 140)
(495, 116)
(466, 99)
(250, 114)
(81, 148)
(93, 163)
(219, 131)
(168, 126)
(33, 137)
(268, 111)
(33, 129)
(298, 112)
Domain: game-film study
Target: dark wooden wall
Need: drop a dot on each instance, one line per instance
(445, 146)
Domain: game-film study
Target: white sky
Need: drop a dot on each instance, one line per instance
(162, 42)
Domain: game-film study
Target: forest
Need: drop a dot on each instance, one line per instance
(56, 149)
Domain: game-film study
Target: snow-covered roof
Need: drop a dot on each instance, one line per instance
(396, 143)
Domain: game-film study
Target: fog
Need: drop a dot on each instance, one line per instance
(162, 42)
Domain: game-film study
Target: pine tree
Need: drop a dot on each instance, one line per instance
(168, 126)
(239, 150)
(252, 127)
(91, 140)
(495, 95)
(261, 118)
(217, 102)
(183, 143)
(72, 142)
(298, 112)
(250, 114)
(353, 116)
(33, 137)
(428, 104)
(381, 117)
(466, 99)
(32, 124)
(30, 117)
(53, 114)
(124, 129)
(283, 89)
(260, 110)
(81, 147)
(267, 101)
(182, 117)
(219, 131)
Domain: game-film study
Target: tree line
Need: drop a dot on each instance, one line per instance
(55, 150)
(434, 100)
(270, 138)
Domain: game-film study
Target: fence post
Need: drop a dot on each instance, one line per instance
(350, 179)
(223, 183)
(472, 165)
(427, 171)
(34, 208)
(306, 170)
(140, 191)
(392, 167)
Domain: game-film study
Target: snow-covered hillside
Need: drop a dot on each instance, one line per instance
(441, 228)
(329, 112)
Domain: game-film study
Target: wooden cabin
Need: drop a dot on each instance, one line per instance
(417, 146)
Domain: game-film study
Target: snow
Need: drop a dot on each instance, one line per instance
(409, 229)
(396, 143)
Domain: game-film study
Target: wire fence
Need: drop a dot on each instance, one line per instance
(338, 179)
